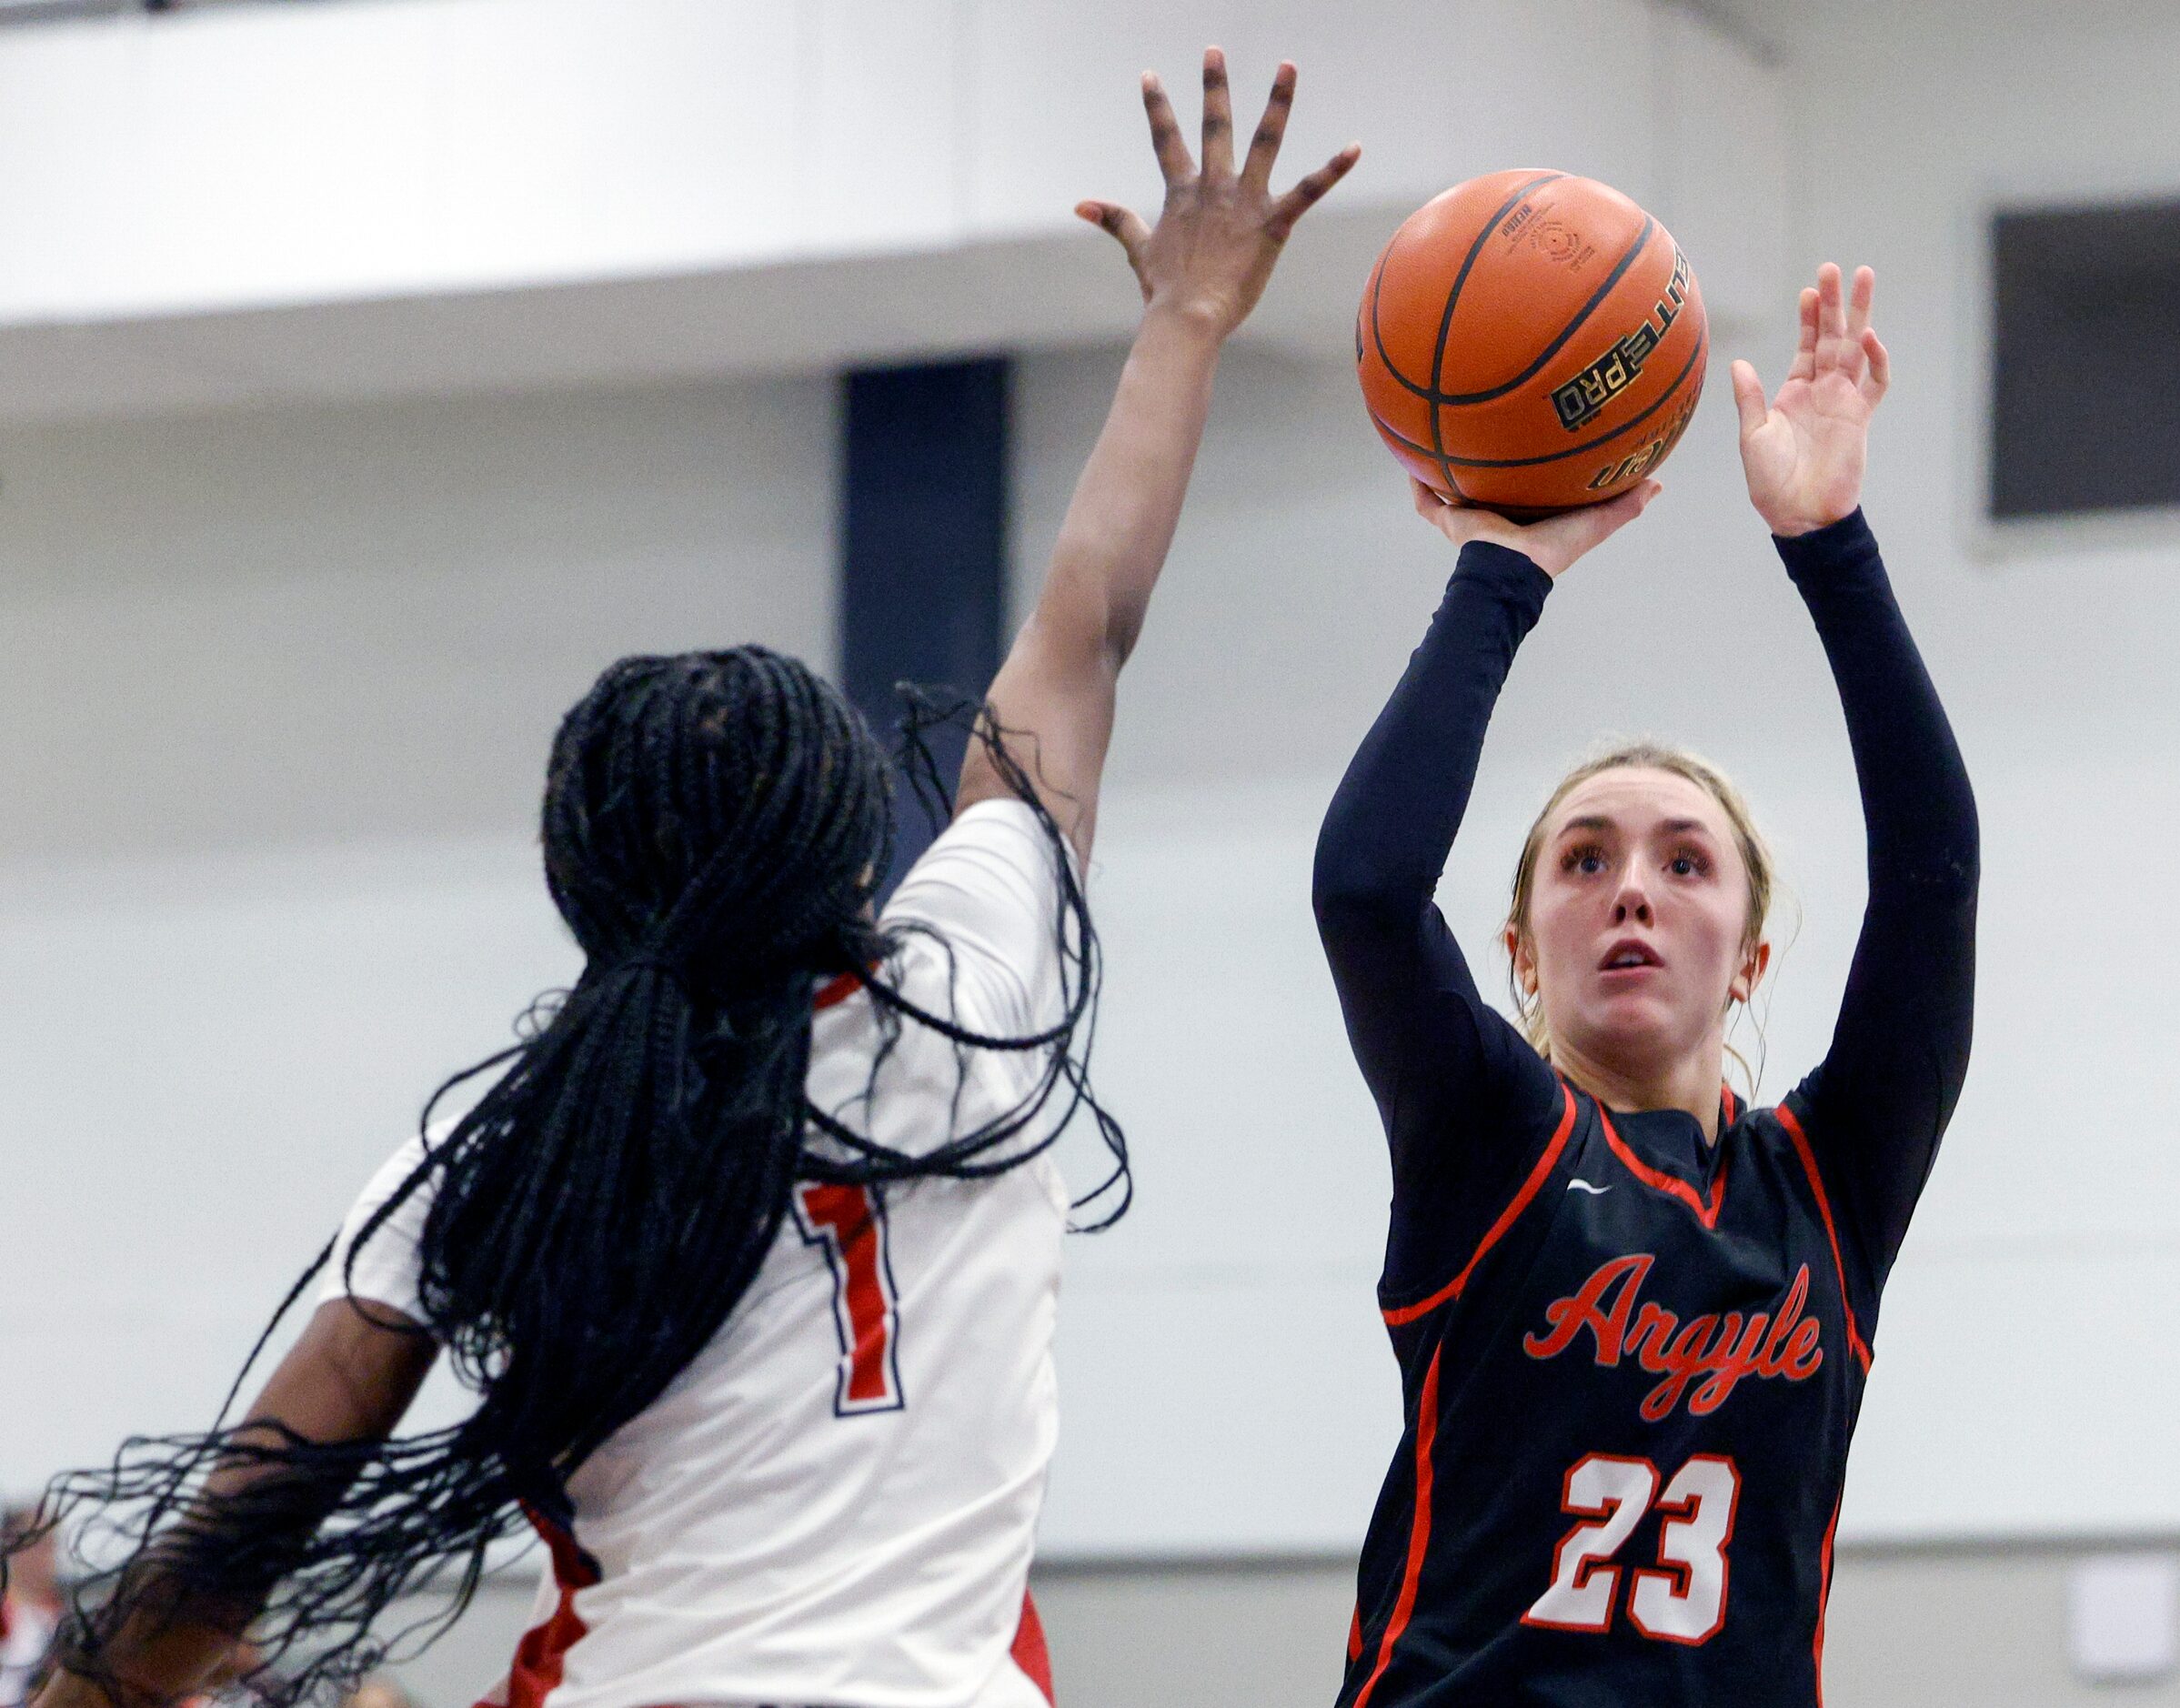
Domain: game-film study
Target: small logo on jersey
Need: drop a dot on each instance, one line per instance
(1702, 1360)
(1594, 1192)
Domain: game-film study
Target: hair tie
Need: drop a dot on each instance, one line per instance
(672, 970)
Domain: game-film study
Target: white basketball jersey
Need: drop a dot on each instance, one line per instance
(835, 1502)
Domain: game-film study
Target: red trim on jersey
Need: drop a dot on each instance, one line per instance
(1354, 1636)
(1029, 1651)
(541, 1656)
(838, 989)
(1419, 1533)
(1671, 1185)
(1507, 1218)
(1733, 1108)
(1824, 1601)
(1855, 1344)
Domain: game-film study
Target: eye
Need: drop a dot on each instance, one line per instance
(1689, 864)
(1586, 859)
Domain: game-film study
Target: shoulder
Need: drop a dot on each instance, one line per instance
(1443, 1226)
(982, 923)
(996, 854)
(396, 1172)
(1792, 1116)
(386, 1265)
(1785, 1128)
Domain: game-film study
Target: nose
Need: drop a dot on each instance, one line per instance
(1631, 902)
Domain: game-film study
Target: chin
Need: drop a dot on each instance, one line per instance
(1634, 1040)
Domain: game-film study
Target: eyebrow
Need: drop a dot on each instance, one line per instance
(1599, 821)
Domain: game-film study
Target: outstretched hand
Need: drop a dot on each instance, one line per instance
(1551, 544)
(1220, 234)
(1805, 453)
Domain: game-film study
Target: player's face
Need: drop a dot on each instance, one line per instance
(1638, 919)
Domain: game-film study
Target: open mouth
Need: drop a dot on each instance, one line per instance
(1628, 954)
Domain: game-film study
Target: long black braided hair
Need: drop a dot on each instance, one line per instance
(715, 826)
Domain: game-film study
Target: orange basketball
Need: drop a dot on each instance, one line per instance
(1531, 341)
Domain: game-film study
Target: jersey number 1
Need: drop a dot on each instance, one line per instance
(849, 1222)
(1684, 1598)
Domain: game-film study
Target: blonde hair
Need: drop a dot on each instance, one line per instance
(1756, 856)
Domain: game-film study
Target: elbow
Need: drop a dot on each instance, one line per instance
(1968, 863)
(1932, 845)
(1959, 868)
(1123, 628)
(1943, 876)
(1346, 888)
(1964, 829)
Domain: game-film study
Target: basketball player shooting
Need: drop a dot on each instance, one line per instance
(749, 1256)
(1633, 1314)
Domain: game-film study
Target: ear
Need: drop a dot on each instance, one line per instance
(1750, 973)
(1524, 960)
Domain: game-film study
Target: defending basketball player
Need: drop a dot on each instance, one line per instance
(750, 1254)
(1635, 1315)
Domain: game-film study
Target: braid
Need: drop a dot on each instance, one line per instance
(713, 826)
(1065, 1045)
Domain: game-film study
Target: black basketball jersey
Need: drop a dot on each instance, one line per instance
(1632, 1359)
(1627, 1427)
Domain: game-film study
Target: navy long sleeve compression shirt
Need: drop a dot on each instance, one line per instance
(1453, 1079)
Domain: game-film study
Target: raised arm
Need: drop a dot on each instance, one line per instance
(1201, 270)
(1460, 1093)
(1875, 1108)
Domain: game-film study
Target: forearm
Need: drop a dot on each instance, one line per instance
(1055, 697)
(1120, 524)
(177, 1613)
(1393, 821)
(1917, 805)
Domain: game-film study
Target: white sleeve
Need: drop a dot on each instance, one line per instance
(990, 886)
(388, 1267)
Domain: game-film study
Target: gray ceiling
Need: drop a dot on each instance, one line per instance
(1782, 27)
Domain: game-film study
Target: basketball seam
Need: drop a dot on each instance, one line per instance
(1438, 353)
(1448, 400)
(1376, 278)
(1378, 337)
(1672, 391)
(1406, 443)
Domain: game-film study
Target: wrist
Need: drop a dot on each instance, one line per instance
(1199, 323)
(1795, 523)
(1793, 526)
(1825, 550)
(1791, 516)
